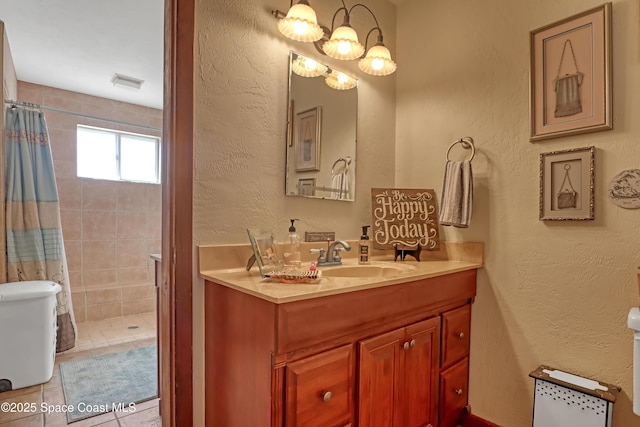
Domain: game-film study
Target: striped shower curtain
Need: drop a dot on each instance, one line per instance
(35, 248)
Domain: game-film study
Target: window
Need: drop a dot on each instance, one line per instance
(117, 156)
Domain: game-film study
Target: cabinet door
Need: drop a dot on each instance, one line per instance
(456, 328)
(419, 388)
(320, 389)
(379, 365)
(453, 393)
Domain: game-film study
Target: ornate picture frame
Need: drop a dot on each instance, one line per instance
(307, 187)
(567, 181)
(307, 142)
(570, 75)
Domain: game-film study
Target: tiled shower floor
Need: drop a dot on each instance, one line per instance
(94, 338)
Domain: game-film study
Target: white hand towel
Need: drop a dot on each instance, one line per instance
(340, 186)
(457, 194)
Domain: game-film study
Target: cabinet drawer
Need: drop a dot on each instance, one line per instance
(456, 328)
(319, 389)
(453, 393)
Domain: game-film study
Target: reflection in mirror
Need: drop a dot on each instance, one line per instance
(321, 142)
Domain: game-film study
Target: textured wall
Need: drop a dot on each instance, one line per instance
(556, 293)
(240, 133)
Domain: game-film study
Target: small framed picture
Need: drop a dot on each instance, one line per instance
(307, 187)
(265, 250)
(567, 184)
(308, 140)
(570, 75)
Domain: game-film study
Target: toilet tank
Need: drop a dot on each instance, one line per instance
(27, 333)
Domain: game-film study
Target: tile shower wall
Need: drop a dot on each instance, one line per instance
(109, 227)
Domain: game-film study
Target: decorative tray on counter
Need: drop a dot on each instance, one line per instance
(295, 277)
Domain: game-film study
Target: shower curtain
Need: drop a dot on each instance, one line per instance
(35, 248)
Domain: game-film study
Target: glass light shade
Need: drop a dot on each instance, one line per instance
(301, 24)
(307, 67)
(340, 81)
(343, 44)
(378, 61)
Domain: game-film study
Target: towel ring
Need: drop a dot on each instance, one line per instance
(347, 162)
(467, 143)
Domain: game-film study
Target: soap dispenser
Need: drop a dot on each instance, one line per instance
(364, 250)
(292, 249)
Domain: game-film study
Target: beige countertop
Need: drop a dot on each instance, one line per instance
(225, 265)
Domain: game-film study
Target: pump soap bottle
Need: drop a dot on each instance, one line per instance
(292, 249)
(364, 251)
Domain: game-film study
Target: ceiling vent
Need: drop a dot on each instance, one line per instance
(126, 81)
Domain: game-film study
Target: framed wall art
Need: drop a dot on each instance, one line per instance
(567, 184)
(308, 124)
(624, 189)
(307, 187)
(570, 75)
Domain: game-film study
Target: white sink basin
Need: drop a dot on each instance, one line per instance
(366, 271)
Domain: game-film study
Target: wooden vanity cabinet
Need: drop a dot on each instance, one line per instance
(398, 376)
(453, 393)
(454, 375)
(364, 358)
(319, 389)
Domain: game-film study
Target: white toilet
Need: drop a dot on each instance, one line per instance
(27, 333)
(633, 322)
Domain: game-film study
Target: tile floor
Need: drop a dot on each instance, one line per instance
(94, 338)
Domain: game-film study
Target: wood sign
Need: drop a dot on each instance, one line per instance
(404, 219)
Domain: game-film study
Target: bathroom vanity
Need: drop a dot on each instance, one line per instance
(352, 350)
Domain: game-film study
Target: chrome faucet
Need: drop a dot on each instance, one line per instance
(333, 253)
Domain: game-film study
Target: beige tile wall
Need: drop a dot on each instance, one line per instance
(109, 227)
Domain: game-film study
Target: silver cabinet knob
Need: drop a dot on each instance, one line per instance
(327, 396)
(406, 345)
(460, 335)
(412, 343)
(459, 391)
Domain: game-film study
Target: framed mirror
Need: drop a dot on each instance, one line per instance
(321, 137)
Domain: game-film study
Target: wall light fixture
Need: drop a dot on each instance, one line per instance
(300, 24)
(340, 81)
(307, 67)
